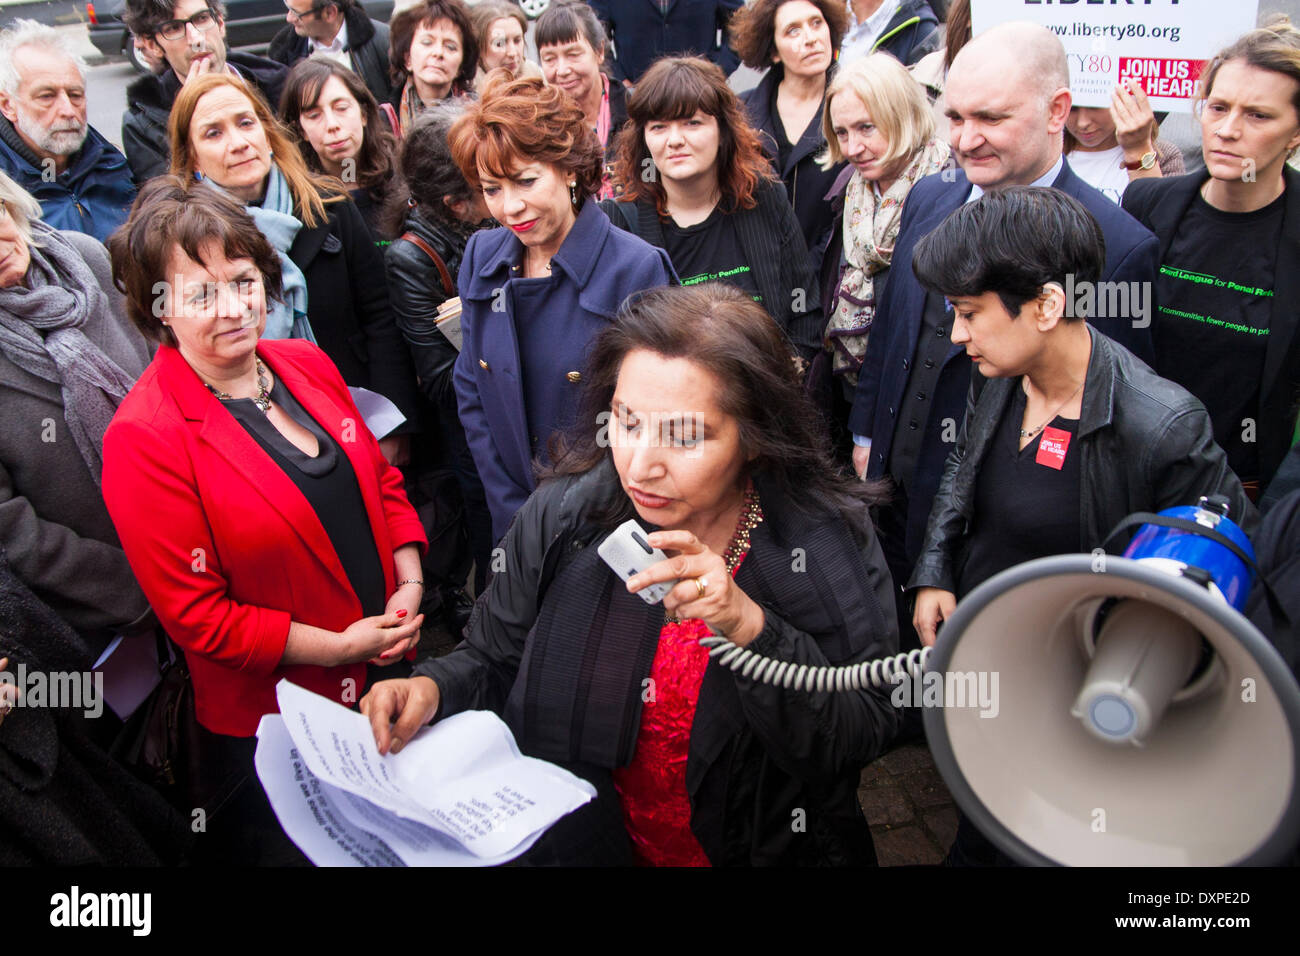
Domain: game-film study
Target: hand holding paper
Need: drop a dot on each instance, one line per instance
(460, 793)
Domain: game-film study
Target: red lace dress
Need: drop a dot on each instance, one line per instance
(652, 788)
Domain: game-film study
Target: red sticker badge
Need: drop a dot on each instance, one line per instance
(1052, 447)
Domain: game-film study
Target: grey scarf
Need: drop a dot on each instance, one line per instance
(41, 321)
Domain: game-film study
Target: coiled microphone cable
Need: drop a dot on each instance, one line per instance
(805, 677)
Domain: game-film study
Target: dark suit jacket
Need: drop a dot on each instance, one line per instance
(642, 32)
(367, 51)
(1160, 204)
(1131, 256)
(225, 546)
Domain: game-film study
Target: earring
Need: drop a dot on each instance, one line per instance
(573, 193)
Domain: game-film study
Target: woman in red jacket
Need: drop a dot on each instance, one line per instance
(270, 535)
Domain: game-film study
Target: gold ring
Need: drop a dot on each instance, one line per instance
(700, 586)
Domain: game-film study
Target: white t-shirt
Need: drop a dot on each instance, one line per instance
(1102, 170)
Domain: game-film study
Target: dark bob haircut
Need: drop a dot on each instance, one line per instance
(170, 214)
(401, 33)
(1012, 241)
(564, 22)
(724, 332)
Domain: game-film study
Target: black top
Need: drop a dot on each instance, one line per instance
(1024, 509)
(330, 486)
(783, 144)
(710, 250)
(1215, 293)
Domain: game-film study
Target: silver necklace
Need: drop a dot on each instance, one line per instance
(1051, 417)
(263, 399)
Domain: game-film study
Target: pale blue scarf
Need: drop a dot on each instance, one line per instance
(286, 317)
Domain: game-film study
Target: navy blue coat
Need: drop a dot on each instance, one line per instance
(498, 390)
(1131, 256)
(642, 32)
(93, 195)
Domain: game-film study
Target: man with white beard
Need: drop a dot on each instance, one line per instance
(81, 181)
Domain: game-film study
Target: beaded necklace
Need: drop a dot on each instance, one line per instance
(263, 399)
(751, 515)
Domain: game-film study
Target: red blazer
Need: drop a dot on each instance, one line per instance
(226, 547)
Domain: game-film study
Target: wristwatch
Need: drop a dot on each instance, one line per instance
(1146, 162)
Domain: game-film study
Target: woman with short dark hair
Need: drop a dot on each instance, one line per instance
(571, 46)
(343, 133)
(693, 424)
(433, 53)
(713, 203)
(1066, 432)
(264, 524)
(797, 42)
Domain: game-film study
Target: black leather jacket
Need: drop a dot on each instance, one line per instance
(416, 290)
(1145, 444)
(563, 651)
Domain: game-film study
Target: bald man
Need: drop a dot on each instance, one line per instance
(1008, 97)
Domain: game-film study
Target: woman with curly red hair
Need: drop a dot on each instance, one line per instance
(535, 292)
(696, 184)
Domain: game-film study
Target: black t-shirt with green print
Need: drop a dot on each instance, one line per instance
(1214, 295)
(709, 251)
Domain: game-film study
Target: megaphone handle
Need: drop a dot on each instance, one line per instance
(1182, 524)
(767, 670)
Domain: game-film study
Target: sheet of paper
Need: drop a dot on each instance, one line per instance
(381, 415)
(306, 809)
(463, 777)
(130, 669)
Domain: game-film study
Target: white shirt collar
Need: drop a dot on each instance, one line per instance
(338, 46)
(1046, 179)
(861, 37)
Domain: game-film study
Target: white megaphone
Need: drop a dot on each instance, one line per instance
(1142, 720)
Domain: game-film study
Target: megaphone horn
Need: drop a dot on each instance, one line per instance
(1142, 720)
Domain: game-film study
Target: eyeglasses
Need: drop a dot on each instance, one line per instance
(203, 21)
(297, 17)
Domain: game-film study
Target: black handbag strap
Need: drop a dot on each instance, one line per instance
(1182, 524)
(1192, 527)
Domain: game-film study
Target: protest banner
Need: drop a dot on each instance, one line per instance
(1161, 44)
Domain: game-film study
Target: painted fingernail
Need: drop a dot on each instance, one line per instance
(396, 745)
(401, 612)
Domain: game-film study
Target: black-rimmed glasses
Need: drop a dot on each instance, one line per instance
(203, 21)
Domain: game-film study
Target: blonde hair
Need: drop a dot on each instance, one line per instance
(310, 191)
(895, 100)
(21, 206)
